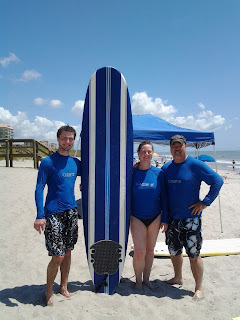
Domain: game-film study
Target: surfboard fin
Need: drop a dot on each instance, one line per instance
(103, 283)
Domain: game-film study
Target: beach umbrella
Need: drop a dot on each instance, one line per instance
(205, 158)
(156, 154)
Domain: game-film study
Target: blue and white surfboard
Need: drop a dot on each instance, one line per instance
(107, 158)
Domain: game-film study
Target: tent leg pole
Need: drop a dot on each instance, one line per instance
(219, 203)
(215, 157)
(220, 213)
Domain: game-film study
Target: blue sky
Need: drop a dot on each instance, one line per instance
(180, 60)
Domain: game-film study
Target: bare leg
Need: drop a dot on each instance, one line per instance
(139, 232)
(65, 268)
(52, 271)
(197, 271)
(152, 233)
(177, 262)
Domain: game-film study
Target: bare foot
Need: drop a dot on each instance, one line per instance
(64, 292)
(49, 299)
(138, 286)
(148, 284)
(175, 281)
(138, 290)
(198, 295)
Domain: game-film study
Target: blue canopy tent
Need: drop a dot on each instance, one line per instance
(149, 127)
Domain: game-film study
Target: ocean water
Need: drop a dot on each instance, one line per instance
(223, 158)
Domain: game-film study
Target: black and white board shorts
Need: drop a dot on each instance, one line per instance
(184, 233)
(61, 232)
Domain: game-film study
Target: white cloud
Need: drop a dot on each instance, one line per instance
(40, 101)
(200, 123)
(44, 129)
(201, 106)
(205, 114)
(40, 129)
(183, 121)
(205, 120)
(228, 127)
(29, 75)
(11, 58)
(142, 104)
(77, 109)
(55, 104)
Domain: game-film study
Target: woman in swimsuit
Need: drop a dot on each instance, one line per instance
(149, 212)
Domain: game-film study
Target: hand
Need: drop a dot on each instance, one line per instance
(163, 226)
(197, 207)
(136, 164)
(39, 225)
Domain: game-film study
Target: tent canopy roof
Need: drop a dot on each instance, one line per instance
(149, 127)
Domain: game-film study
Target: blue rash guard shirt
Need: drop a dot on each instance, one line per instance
(183, 181)
(148, 194)
(59, 173)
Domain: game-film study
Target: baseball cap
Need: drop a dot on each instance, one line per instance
(178, 138)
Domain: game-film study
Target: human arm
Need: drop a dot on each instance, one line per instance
(204, 173)
(41, 182)
(136, 164)
(163, 202)
(215, 186)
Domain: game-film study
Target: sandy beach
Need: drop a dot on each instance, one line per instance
(24, 261)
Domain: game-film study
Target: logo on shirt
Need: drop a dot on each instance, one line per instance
(145, 184)
(68, 174)
(174, 181)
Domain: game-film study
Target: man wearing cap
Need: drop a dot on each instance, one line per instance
(183, 176)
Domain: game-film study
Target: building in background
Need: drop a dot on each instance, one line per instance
(6, 132)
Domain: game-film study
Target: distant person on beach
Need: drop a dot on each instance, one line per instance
(183, 178)
(148, 201)
(58, 218)
(233, 164)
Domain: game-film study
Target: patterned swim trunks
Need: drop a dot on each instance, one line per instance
(61, 232)
(184, 233)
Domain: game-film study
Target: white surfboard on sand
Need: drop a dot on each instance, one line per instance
(221, 247)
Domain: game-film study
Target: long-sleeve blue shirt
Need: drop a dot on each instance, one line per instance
(183, 181)
(149, 194)
(59, 173)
